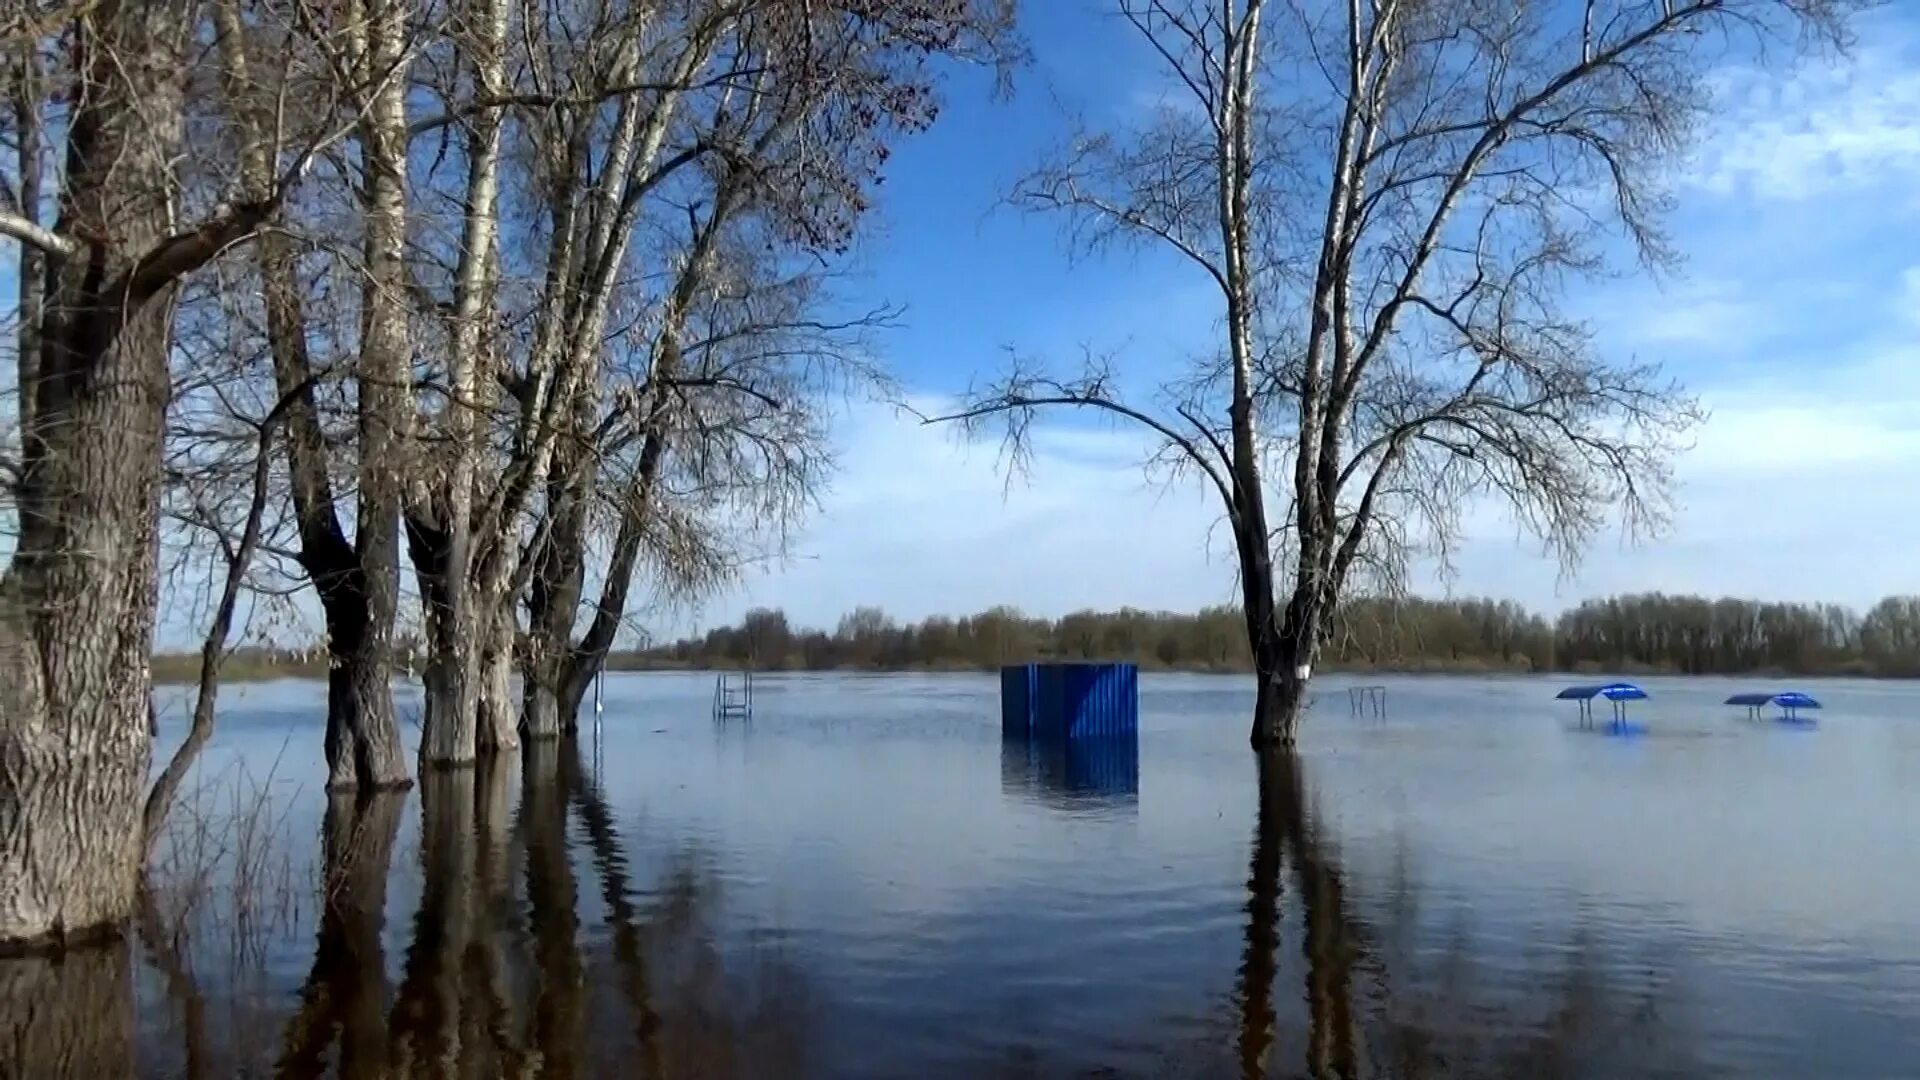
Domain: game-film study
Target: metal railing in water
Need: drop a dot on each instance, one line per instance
(733, 695)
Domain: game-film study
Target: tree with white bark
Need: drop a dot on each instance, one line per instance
(716, 415)
(1390, 199)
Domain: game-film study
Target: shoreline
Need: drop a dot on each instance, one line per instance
(183, 670)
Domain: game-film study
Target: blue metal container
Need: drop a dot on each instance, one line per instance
(1016, 701)
(1069, 702)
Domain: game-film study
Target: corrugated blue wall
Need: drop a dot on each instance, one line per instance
(1016, 701)
(1066, 702)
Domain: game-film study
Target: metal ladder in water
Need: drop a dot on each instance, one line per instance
(733, 695)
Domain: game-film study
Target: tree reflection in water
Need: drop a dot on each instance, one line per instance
(1285, 838)
(547, 943)
(1380, 1001)
(341, 1017)
(501, 982)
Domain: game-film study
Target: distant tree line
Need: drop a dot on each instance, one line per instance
(1650, 632)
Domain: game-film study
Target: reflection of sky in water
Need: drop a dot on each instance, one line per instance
(1495, 888)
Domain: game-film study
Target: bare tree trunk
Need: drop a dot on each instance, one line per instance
(553, 598)
(1274, 715)
(427, 551)
(450, 736)
(499, 714)
(542, 707)
(1285, 649)
(385, 378)
(363, 740)
(1296, 650)
(77, 603)
(585, 662)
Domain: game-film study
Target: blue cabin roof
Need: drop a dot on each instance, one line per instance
(1619, 691)
(1791, 699)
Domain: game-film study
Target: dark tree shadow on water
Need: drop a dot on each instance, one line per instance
(340, 1026)
(692, 1008)
(1286, 839)
(558, 1021)
(68, 1015)
(1386, 996)
(537, 949)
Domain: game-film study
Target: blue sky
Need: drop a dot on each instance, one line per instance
(1796, 319)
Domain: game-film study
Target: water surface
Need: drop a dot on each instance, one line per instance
(862, 882)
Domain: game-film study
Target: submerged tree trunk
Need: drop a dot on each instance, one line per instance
(542, 708)
(363, 738)
(360, 724)
(553, 598)
(1279, 691)
(451, 736)
(385, 378)
(499, 715)
(77, 603)
(460, 634)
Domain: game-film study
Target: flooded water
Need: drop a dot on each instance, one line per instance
(862, 882)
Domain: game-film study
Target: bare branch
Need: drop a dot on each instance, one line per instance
(44, 239)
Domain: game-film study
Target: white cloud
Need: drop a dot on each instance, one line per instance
(1822, 130)
(1790, 492)
(1714, 315)
(922, 522)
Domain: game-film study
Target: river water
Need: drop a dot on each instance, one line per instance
(861, 881)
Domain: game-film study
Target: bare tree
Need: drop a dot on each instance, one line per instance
(719, 416)
(77, 600)
(236, 555)
(453, 620)
(1391, 197)
(604, 86)
(327, 300)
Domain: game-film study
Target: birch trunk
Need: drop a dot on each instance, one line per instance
(450, 736)
(385, 378)
(499, 716)
(363, 740)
